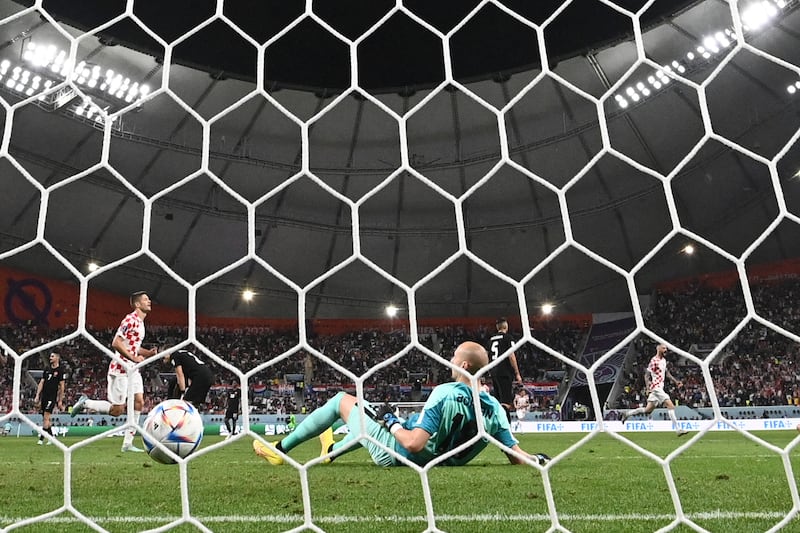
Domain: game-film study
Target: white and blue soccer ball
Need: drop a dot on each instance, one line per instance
(177, 425)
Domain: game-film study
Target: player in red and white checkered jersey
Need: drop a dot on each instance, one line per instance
(521, 403)
(128, 344)
(654, 378)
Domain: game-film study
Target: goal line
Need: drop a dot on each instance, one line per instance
(469, 518)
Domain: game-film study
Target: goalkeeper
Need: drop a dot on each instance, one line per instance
(447, 420)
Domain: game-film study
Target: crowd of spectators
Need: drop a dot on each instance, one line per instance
(287, 379)
(757, 367)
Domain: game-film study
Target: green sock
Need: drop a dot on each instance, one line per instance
(346, 441)
(314, 424)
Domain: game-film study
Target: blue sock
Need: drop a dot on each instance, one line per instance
(314, 424)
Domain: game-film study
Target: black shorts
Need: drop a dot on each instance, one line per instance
(197, 391)
(48, 405)
(503, 389)
(232, 414)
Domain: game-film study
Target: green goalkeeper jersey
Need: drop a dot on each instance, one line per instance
(449, 417)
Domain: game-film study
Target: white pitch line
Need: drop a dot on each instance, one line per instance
(344, 519)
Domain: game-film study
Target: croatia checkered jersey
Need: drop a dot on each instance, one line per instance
(658, 371)
(521, 402)
(449, 417)
(131, 329)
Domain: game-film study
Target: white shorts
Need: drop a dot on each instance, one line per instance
(658, 397)
(521, 413)
(118, 387)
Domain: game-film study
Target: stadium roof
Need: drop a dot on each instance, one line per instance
(704, 126)
(400, 54)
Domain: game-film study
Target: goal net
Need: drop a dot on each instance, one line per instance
(494, 158)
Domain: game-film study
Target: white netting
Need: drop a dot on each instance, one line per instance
(612, 102)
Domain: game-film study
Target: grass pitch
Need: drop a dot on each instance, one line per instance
(725, 482)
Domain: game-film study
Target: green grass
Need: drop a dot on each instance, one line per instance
(726, 483)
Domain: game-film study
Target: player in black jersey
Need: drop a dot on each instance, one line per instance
(507, 371)
(50, 394)
(232, 409)
(194, 377)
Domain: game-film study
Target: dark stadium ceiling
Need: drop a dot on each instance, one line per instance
(400, 55)
(245, 183)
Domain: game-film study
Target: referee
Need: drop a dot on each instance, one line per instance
(50, 394)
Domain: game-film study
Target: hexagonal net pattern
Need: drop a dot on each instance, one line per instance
(604, 150)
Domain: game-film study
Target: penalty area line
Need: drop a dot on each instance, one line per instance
(345, 519)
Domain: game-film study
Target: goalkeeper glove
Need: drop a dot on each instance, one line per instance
(387, 418)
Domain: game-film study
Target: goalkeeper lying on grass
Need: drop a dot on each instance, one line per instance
(447, 420)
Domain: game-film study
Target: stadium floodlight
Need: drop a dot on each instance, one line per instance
(688, 249)
(55, 63)
(248, 295)
(756, 16)
(391, 310)
(709, 43)
(547, 308)
(61, 56)
(92, 266)
(44, 66)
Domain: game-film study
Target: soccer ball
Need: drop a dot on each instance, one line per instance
(177, 425)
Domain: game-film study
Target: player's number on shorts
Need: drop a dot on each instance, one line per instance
(460, 434)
